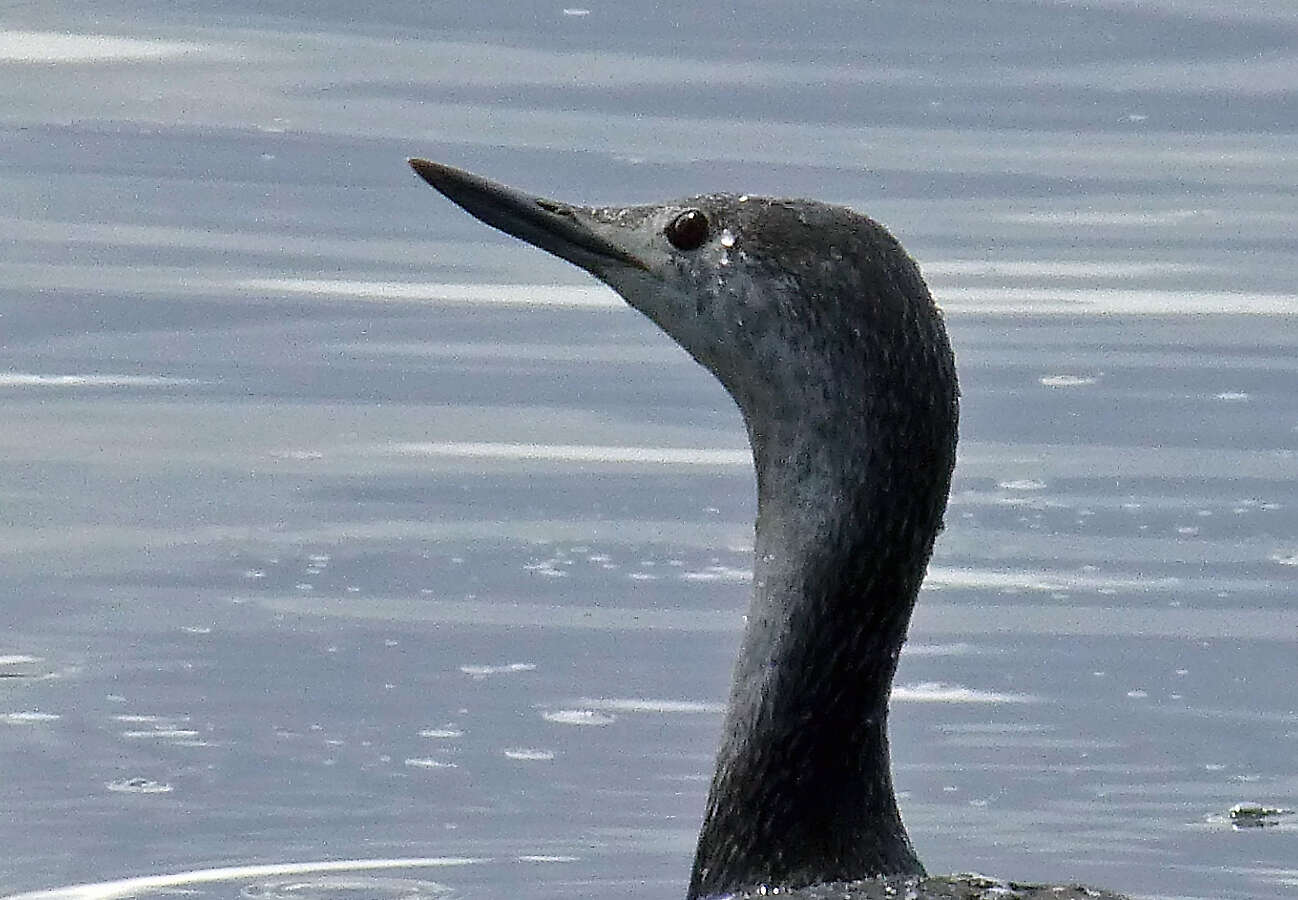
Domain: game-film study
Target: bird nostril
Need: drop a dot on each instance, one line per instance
(550, 206)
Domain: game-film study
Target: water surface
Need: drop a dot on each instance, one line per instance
(346, 543)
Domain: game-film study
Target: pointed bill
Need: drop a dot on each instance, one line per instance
(564, 230)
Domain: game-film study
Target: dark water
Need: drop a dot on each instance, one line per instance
(336, 529)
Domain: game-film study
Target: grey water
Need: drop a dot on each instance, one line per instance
(349, 549)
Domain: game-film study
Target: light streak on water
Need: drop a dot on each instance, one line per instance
(131, 887)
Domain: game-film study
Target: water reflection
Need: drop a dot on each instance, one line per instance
(330, 520)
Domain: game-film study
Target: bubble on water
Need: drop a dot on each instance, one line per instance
(528, 754)
(1231, 396)
(718, 573)
(482, 671)
(1068, 380)
(139, 786)
(427, 762)
(161, 734)
(548, 859)
(578, 717)
(548, 568)
(958, 649)
(297, 455)
(1022, 484)
(650, 705)
(441, 733)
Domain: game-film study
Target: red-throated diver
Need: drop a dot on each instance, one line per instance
(819, 325)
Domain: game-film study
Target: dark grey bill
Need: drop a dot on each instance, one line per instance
(553, 226)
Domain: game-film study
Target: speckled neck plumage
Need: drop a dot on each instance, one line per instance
(852, 486)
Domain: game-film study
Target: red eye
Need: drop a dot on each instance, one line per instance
(688, 231)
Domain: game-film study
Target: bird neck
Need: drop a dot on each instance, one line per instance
(846, 521)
